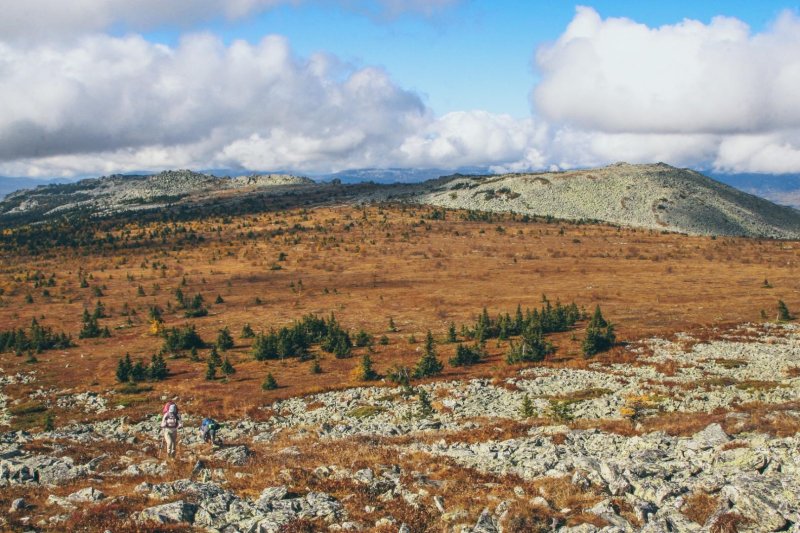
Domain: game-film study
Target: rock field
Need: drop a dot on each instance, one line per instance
(643, 479)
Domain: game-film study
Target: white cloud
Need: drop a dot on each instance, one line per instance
(616, 75)
(37, 20)
(709, 95)
(120, 104)
(704, 95)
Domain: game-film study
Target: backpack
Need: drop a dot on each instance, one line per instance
(171, 421)
(165, 409)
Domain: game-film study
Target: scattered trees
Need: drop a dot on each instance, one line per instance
(37, 339)
(128, 371)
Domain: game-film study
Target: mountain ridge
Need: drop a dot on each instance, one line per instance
(649, 196)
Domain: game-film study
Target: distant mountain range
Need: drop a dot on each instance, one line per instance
(656, 196)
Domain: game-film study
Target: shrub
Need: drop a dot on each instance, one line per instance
(363, 339)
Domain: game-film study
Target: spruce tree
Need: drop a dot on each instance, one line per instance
(124, 369)
(365, 370)
(227, 367)
(247, 332)
(424, 404)
(783, 312)
(138, 372)
(451, 333)
(158, 368)
(600, 335)
(269, 382)
(214, 357)
(211, 371)
(526, 409)
(315, 366)
(428, 364)
(224, 339)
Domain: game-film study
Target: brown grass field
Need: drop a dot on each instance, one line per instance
(367, 265)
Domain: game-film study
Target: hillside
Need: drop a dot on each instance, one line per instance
(645, 196)
(688, 423)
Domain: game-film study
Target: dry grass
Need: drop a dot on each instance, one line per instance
(336, 262)
(699, 506)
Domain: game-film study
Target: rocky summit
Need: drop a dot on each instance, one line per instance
(738, 469)
(658, 197)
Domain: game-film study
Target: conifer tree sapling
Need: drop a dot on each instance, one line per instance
(269, 382)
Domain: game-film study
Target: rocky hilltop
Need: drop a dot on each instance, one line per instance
(646, 196)
(119, 194)
(658, 197)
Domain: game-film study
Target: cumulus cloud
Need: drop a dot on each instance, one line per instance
(257, 106)
(36, 20)
(710, 95)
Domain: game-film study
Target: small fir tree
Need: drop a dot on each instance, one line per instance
(428, 364)
(783, 312)
(451, 333)
(211, 371)
(138, 372)
(526, 409)
(600, 335)
(214, 357)
(124, 367)
(224, 339)
(227, 367)
(269, 382)
(315, 366)
(247, 332)
(158, 368)
(365, 371)
(424, 404)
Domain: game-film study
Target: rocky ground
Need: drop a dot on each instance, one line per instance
(686, 434)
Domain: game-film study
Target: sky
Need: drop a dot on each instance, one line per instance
(91, 87)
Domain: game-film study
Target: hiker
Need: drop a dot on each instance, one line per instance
(208, 430)
(171, 423)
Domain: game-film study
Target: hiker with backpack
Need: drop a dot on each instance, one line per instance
(208, 431)
(171, 422)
